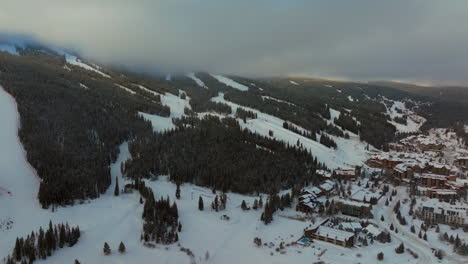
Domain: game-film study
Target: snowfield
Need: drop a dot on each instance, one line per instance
(211, 238)
(72, 59)
(411, 118)
(197, 80)
(230, 82)
(177, 106)
(349, 153)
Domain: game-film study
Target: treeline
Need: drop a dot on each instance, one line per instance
(245, 114)
(160, 217)
(327, 141)
(218, 153)
(347, 122)
(274, 203)
(310, 119)
(161, 222)
(71, 135)
(293, 128)
(42, 244)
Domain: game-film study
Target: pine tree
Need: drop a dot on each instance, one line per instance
(177, 193)
(255, 204)
(380, 256)
(77, 262)
(425, 236)
(200, 203)
(244, 205)
(106, 249)
(400, 249)
(260, 203)
(18, 250)
(121, 248)
(382, 218)
(413, 230)
(116, 190)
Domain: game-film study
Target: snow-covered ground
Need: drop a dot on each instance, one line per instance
(350, 152)
(175, 103)
(293, 82)
(125, 88)
(230, 82)
(277, 100)
(113, 219)
(399, 109)
(72, 59)
(197, 80)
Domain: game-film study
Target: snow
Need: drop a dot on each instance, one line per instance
(350, 98)
(125, 88)
(113, 219)
(197, 80)
(9, 48)
(293, 82)
(350, 152)
(177, 106)
(277, 100)
(230, 82)
(414, 122)
(72, 59)
(84, 86)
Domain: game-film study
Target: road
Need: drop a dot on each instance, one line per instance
(421, 247)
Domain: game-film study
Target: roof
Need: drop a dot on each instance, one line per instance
(353, 203)
(371, 229)
(323, 173)
(433, 176)
(327, 186)
(334, 233)
(351, 225)
(345, 172)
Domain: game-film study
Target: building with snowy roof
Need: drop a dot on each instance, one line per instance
(331, 235)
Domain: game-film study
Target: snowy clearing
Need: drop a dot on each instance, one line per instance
(293, 82)
(230, 82)
(350, 152)
(177, 106)
(77, 62)
(125, 88)
(399, 110)
(277, 100)
(197, 80)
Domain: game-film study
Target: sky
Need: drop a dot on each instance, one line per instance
(420, 41)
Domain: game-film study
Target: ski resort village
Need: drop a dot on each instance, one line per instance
(208, 168)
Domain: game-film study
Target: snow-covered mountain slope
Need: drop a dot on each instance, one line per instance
(399, 110)
(175, 103)
(350, 152)
(197, 80)
(230, 82)
(74, 60)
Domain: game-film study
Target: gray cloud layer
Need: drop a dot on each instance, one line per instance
(416, 40)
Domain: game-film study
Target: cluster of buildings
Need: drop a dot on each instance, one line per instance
(308, 200)
(359, 204)
(427, 171)
(343, 234)
(438, 213)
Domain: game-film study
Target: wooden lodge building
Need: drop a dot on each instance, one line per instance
(354, 208)
(331, 235)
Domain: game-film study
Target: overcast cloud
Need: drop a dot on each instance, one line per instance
(415, 40)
